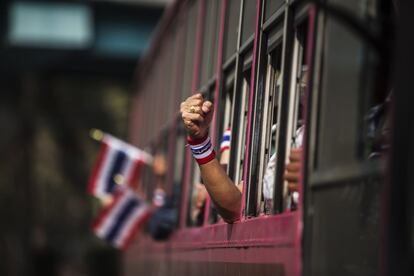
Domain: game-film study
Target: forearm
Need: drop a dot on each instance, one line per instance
(223, 192)
(197, 115)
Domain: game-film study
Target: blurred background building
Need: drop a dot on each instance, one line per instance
(65, 67)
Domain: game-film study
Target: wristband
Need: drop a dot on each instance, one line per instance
(202, 149)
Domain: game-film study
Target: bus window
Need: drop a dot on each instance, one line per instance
(178, 166)
(198, 192)
(270, 129)
(295, 127)
(197, 200)
(224, 125)
(160, 171)
(239, 124)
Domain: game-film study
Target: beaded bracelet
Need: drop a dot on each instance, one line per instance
(202, 149)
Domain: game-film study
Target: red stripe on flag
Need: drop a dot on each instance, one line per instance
(135, 173)
(97, 168)
(224, 148)
(137, 225)
(107, 209)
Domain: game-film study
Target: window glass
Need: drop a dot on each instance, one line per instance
(374, 117)
(198, 198)
(271, 7)
(240, 120)
(166, 70)
(232, 27)
(249, 20)
(210, 41)
(160, 168)
(179, 157)
(145, 189)
(224, 125)
(169, 92)
(189, 48)
(179, 56)
(178, 167)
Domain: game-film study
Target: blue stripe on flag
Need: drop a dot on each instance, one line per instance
(122, 219)
(119, 160)
(226, 138)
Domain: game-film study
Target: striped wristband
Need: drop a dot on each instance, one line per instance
(202, 149)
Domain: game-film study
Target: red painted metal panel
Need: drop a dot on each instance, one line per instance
(261, 241)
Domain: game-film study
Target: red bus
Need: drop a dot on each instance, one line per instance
(271, 67)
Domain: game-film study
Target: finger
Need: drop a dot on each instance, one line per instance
(193, 102)
(295, 155)
(189, 124)
(196, 109)
(193, 117)
(197, 95)
(293, 187)
(293, 167)
(191, 128)
(291, 177)
(207, 107)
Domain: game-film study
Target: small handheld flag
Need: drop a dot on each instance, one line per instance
(119, 222)
(118, 163)
(225, 143)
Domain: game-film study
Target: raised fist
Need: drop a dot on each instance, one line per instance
(196, 114)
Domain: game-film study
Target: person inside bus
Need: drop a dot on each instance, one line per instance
(291, 174)
(197, 114)
(199, 204)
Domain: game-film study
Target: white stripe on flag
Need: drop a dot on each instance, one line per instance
(128, 169)
(111, 217)
(225, 144)
(134, 152)
(132, 219)
(103, 177)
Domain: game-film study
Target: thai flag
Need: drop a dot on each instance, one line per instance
(225, 143)
(118, 163)
(119, 222)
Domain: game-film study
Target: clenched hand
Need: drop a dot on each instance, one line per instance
(197, 114)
